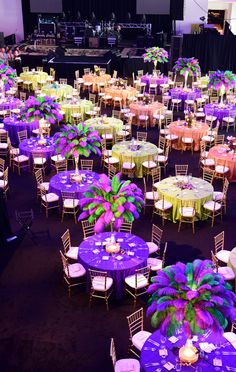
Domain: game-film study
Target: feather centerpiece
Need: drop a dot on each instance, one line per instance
(187, 67)
(191, 296)
(36, 108)
(155, 54)
(222, 81)
(111, 202)
(7, 75)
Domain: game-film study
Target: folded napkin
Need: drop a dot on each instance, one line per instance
(105, 258)
(173, 339)
(119, 258)
(205, 346)
(96, 251)
(169, 366)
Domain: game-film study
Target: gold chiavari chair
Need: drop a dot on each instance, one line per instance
(4, 184)
(181, 169)
(86, 164)
(73, 274)
(69, 251)
(136, 284)
(137, 335)
(219, 248)
(88, 228)
(156, 264)
(126, 227)
(22, 135)
(222, 195)
(163, 208)
(49, 200)
(155, 244)
(187, 214)
(142, 136)
(150, 197)
(101, 286)
(123, 364)
(40, 182)
(70, 204)
(225, 271)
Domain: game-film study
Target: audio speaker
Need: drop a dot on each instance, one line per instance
(177, 10)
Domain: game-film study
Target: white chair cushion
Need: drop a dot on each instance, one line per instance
(111, 160)
(3, 145)
(1, 125)
(50, 197)
(161, 158)
(187, 140)
(153, 247)
(155, 264)
(44, 186)
(58, 157)
(149, 164)
(226, 272)
(171, 137)
(117, 99)
(211, 118)
(208, 162)
(218, 195)
(163, 206)
(200, 114)
(39, 161)
(221, 169)
(230, 336)
(98, 283)
(70, 203)
(153, 85)
(140, 338)
(3, 184)
(158, 117)
(205, 154)
(187, 211)
(152, 195)
(189, 101)
(108, 136)
(107, 153)
(155, 184)
(127, 365)
(35, 131)
(211, 206)
(141, 281)
(223, 255)
(129, 115)
(72, 253)
(207, 138)
(14, 151)
(228, 120)
(123, 133)
(143, 117)
(164, 131)
(128, 165)
(21, 158)
(1, 174)
(159, 151)
(76, 270)
(176, 100)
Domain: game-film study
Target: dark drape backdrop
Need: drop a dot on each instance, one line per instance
(102, 10)
(214, 52)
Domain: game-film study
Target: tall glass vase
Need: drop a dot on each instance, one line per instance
(76, 165)
(222, 92)
(155, 68)
(186, 80)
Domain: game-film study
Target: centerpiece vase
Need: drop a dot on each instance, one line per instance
(76, 165)
(222, 92)
(155, 68)
(186, 80)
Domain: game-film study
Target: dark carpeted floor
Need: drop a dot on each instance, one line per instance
(41, 329)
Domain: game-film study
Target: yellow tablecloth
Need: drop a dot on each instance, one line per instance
(74, 108)
(35, 77)
(202, 191)
(101, 124)
(146, 151)
(57, 90)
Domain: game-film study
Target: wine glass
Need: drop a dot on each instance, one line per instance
(178, 367)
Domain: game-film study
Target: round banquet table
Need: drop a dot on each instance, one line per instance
(118, 266)
(61, 182)
(92, 78)
(202, 192)
(10, 103)
(29, 146)
(57, 90)
(81, 107)
(102, 123)
(222, 154)
(150, 109)
(150, 353)
(181, 130)
(220, 112)
(154, 80)
(183, 94)
(13, 126)
(232, 260)
(124, 93)
(146, 151)
(35, 77)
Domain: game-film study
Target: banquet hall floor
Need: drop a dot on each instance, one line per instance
(41, 329)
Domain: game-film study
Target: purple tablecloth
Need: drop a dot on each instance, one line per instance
(13, 126)
(61, 182)
(220, 112)
(10, 103)
(183, 94)
(91, 253)
(155, 80)
(31, 145)
(152, 356)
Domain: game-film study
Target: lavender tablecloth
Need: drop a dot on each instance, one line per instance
(61, 182)
(152, 356)
(10, 103)
(134, 256)
(154, 79)
(184, 94)
(13, 126)
(220, 112)
(28, 146)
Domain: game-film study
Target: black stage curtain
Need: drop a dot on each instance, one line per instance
(214, 52)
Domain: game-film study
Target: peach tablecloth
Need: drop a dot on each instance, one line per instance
(221, 155)
(196, 132)
(150, 109)
(128, 92)
(90, 78)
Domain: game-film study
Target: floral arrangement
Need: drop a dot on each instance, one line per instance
(96, 70)
(222, 79)
(77, 140)
(110, 202)
(232, 143)
(37, 108)
(189, 118)
(120, 83)
(184, 185)
(191, 296)
(7, 75)
(155, 54)
(187, 66)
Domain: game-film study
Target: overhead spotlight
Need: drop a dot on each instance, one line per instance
(202, 18)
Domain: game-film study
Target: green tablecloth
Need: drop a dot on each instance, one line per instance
(101, 124)
(146, 151)
(202, 191)
(57, 90)
(35, 77)
(232, 260)
(79, 107)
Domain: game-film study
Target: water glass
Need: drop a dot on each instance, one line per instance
(178, 367)
(163, 339)
(201, 354)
